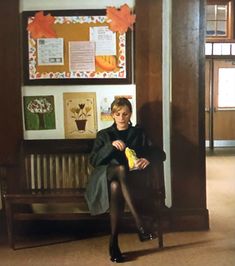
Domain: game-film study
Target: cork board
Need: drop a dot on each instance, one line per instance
(84, 50)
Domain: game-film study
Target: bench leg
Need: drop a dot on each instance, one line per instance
(159, 231)
(9, 221)
(160, 235)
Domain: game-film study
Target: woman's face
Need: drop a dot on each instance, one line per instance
(122, 117)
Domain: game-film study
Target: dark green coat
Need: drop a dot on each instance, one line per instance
(102, 155)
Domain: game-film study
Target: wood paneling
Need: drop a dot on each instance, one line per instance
(188, 113)
(224, 126)
(148, 67)
(10, 90)
(188, 126)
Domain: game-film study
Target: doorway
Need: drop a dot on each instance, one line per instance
(220, 103)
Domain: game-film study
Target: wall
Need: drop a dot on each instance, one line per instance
(188, 110)
(57, 91)
(188, 178)
(10, 118)
(187, 136)
(71, 4)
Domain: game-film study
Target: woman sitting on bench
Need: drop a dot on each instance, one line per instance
(117, 151)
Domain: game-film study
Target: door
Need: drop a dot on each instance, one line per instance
(220, 102)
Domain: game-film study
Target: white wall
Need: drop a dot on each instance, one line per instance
(71, 4)
(107, 91)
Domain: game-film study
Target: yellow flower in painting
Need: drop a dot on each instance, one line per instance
(81, 112)
(87, 109)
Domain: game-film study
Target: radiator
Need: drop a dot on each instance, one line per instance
(53, 171)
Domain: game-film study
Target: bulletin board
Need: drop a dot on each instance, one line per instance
(78, 54)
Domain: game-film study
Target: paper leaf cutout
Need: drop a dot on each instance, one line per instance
(41, 26)
(120, 20)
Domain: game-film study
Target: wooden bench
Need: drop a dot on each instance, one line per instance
(51, 173)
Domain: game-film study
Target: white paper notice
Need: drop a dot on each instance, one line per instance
(81, 56)
(50, 51)
(105, 40)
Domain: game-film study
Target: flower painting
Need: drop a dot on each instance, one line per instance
(80, 115)
(39, 112)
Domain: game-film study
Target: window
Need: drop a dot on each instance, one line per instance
(218, 19)
(226, 91)
(223, 84)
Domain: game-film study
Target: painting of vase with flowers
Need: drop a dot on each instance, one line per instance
(80, 115)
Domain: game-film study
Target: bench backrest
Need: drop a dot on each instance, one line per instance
(48, 165)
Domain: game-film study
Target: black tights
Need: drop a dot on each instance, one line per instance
(119, 194)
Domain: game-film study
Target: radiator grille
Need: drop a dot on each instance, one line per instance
(53, 171)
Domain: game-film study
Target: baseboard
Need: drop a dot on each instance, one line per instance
(174, 220)
(186, 219)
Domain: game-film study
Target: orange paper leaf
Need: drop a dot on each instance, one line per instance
(121, 19)
(41, 26)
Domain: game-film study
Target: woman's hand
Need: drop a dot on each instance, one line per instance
(119, 144)
(142, 163)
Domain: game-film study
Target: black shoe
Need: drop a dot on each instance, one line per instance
(144, 236)
(115, 253)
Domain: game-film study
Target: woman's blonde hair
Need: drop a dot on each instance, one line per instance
(120, 102)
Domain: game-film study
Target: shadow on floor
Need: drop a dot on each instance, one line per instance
(134, 255)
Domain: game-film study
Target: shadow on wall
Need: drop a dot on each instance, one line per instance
(187, 159)
(150, 118)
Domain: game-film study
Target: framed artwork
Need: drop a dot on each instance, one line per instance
(80, 115)
(39, 112)
(105, 108)
(79, 48)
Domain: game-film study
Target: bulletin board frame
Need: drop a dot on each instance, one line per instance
(33, 74)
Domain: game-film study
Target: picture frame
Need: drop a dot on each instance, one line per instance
(76, 32)
(80, 121)
(39, 112)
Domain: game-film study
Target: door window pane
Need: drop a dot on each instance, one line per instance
(210, 28)
(221, 28)
(210, 12)
(226, 87)
(221, 12)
